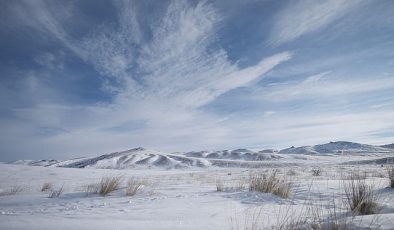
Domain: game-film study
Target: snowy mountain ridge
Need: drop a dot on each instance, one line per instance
(144, 158)
(336, 148)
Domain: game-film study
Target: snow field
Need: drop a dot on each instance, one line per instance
(188, 199)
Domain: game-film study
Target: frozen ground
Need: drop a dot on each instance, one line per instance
(187, 197)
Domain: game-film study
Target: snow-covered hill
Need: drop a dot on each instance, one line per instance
(36, 162)
(134, 158)
(144, 158)
(389, 146)
(237, 154)
(338, 147)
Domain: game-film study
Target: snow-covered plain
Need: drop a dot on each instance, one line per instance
(186, 196)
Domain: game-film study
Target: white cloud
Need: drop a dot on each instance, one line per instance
(320, 86)
(305, 128)
(302, 17)
(161, 83)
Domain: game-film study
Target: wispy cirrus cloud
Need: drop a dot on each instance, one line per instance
(158, 83)
(174, 75)
(302, 17)
(176, 62)
(321, 86)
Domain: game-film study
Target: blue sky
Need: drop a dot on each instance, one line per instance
(90, 77)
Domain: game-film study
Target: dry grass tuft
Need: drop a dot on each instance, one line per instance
(46, 186)
(92, 189)
(133, 186)
(12, 191)
(270, 183)
(220, 185)
(361, 197)
(56, 192)
(390, 172)
(316, 172)
(236, 185)
(108, 185)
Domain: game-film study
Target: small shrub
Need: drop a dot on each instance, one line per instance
(390, 172)
(316, 172)
(360, 197)
(283, 190)
(46, 186)
(12, 191)
(133, 186)
(56, 192)
(220, 185)
(92, 189)
(108, 185)
(269, 183)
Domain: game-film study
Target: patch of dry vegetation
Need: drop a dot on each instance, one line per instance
(92, 189)
(234, 185)
(46, 186)
(133, 186)
(316, 172)
(54, 193)
(270, 183)
(108, 185)
(220, 185)
(12, 191)
(390, 172)
(360, 196)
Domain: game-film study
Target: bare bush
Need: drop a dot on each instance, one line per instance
(283, 190)
(361, 197)
(133, 186)
(46, 186)
(92, 189)
(316, 172)
(328, 218)
(12, 191)
(270, 183)
(108, 185)
(235, 185)
(390, 172)
(220, 185)
(54, 193)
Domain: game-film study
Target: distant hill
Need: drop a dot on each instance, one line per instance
(237, 154)
(140, 157)
(389, 146)
(144, 158)
(338, 147)
(137, 157)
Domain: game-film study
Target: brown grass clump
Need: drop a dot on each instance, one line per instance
(56, 192)
(220, 185)
(390, 172)
(46, 186)
(270, 183)
(361, 197)
(12, 191)
(133, 186)
(108, 185)
(316, 172)
(92, 189)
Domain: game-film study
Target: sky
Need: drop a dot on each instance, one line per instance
(82, 78)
